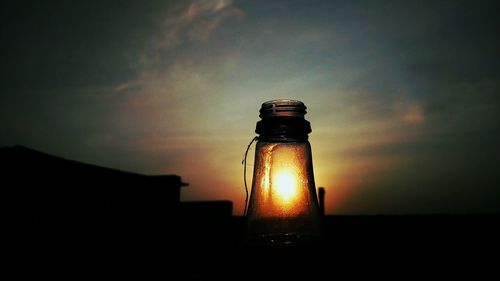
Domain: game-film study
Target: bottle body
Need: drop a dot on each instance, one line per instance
(283, 205)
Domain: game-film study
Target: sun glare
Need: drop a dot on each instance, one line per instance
(285, 185)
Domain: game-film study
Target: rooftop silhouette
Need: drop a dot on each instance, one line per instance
(43, 188)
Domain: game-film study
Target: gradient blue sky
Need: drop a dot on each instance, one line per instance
(403, 97)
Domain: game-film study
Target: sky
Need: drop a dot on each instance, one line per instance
(403, 96)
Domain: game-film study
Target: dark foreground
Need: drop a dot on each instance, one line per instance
(68, 220)
(375, 246)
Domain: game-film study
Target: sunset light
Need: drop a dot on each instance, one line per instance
(403, 94)
(281, 183)
(285, 187)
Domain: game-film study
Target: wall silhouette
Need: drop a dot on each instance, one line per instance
(41, 188)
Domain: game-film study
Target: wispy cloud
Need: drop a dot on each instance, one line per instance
(196, 22)
(159, 65)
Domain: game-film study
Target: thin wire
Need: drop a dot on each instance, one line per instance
(244, 162)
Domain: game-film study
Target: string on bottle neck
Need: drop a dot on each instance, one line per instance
(244, 162)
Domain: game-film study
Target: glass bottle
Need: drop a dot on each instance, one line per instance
(283, 206)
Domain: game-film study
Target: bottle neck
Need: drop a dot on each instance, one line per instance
(283, 129)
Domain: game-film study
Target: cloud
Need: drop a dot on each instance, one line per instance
(197, 22)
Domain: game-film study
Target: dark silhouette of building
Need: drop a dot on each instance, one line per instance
(41, 188)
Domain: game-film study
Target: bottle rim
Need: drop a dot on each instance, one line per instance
(282, 108)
